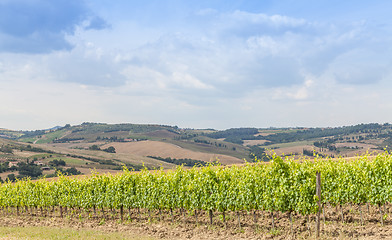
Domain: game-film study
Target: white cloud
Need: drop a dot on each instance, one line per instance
(189, 81)
(263, 19)
(227, 69)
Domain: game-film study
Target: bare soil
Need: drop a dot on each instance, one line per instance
(181, 225)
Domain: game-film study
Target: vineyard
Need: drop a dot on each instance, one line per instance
(284, 187)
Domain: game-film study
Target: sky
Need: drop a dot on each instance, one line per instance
(195, 64)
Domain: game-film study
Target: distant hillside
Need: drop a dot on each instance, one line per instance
(19, 160)
(110, 146)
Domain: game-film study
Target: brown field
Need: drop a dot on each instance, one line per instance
(4, 175)
(293, 150)
(124, 157)
(264, 134)
(75, 145)
(254, 142)
(23, 154)
(363, 148)
(161, 226)
(161, 149)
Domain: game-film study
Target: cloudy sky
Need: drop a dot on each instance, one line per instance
(199, 64)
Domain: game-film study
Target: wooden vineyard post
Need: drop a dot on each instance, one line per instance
(360, 211)
(224, 219)
(196, 216)
(239, 221)
(210, 213)
(61, 211)
(318, 192)
(122, 213)
(381, 215)
(291, 223)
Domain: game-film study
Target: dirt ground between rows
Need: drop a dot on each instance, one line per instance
(160, 226)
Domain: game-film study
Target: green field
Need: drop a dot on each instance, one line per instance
(49, 137)
(72, 161)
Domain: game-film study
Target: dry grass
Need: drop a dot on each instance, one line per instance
(161, 149)
(254, 142)
(126, 157)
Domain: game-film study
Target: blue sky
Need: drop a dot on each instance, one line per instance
(199, 64)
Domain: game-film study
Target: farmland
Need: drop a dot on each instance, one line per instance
(274, 199)
(237, 212)
(85, 146)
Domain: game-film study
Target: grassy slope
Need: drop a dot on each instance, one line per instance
(49, 137)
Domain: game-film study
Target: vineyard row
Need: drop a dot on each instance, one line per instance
(284, 185)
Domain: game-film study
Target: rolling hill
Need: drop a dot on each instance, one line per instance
(109, 147)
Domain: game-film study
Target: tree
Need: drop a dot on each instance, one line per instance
(70, 171)
(73, 171)
(56, 163)
(11, 177)
(110, 150)
(6, 149)
(30, 170)
(94, 147)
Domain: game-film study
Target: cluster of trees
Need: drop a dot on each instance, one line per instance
(33, 171)
(119, 139)
(258, 153)
(216, 144)
(4, 167)
(69, 171)
(311, 133)
(97, 148)
(312, 153)
(134, 128)
(96, 160)
(236, 135)
(29, 148)
(6, 149)
(29, 169)
(110, 150)
(56, 163)
(183, 161)
(185, 136)
(325, 145)
(64, 140)
(202, 141)
(32, 134)
(110, 139)
(234, 132)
